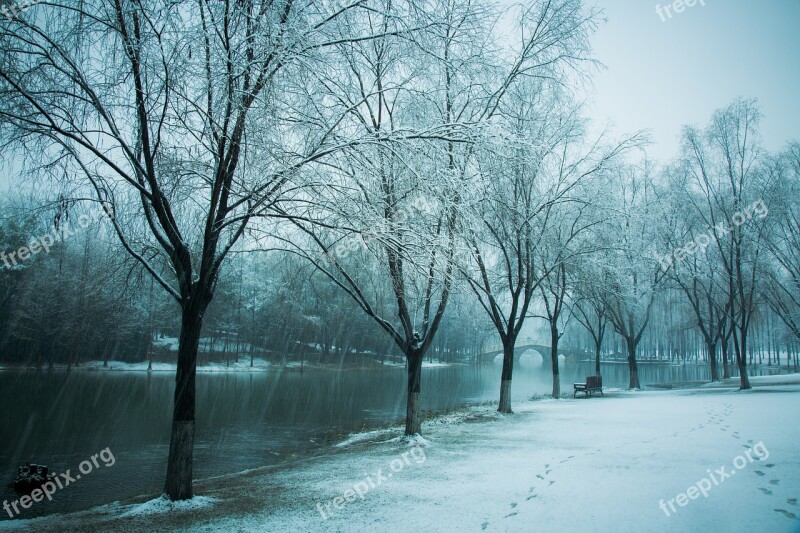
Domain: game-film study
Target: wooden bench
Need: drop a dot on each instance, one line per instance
(593, 384)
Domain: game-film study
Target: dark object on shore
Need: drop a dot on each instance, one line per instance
(593, 384)
(30, 477)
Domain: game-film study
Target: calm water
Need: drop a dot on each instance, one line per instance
(244, 420)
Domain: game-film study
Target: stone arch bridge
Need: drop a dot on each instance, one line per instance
(572, 355)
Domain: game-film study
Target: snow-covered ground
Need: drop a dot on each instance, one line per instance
(243, 365)
(622, 462)
(425, 364)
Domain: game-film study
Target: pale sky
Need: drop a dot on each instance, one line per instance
(663, 74)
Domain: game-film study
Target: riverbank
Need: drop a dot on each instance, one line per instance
(243, 365)
(603, 464)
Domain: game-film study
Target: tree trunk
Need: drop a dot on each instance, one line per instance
(597, 358)
(505, 377)
(633, 369)
(181, 447)
(413, 419)
(726, 370)
(741, 361)
(712, 360)
(554, 361)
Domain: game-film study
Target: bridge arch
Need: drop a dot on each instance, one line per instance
(532, 358)
(532, 354)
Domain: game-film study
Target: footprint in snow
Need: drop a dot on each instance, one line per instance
(547, 471)
(774, 481)
(540, 476)
(786, 513)
(529, 498)
(552, 482)
(792, 501)
(769, 465)
(766, 491)
(513, 505)
(484, 526)
(759, 472)
(511, 514)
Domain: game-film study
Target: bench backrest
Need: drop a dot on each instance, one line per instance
(593, 382)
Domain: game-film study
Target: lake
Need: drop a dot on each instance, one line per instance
(244, 419)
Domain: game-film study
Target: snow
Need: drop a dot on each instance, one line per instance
(412, 440)
(425, 364)
(164, 505)
(170, 343)
(367, 436)
(395, 364)
(777, 379)
(243, 365)
(125, 367)
(598, 464)
(435, 364)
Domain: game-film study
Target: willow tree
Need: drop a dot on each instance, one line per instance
(700, 275)
(632, 276)
(729, 168)
(784, 239)
(185, 116)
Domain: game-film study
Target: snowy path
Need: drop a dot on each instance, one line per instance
(602, 464)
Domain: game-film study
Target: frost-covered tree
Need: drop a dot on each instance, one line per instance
(728, 166)
(783, 239)
(185, 116)
(632, 276)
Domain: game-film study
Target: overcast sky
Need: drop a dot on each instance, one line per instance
(662, 74)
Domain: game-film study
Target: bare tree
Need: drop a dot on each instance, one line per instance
(783, 241)
(699, 275)
(632, 278)
(727, 164)
(590, 309)
(181, 115)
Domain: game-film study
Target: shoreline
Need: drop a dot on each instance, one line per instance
(262, 365)
(228, 495)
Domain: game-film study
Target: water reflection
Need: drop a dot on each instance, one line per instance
(244, 420)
